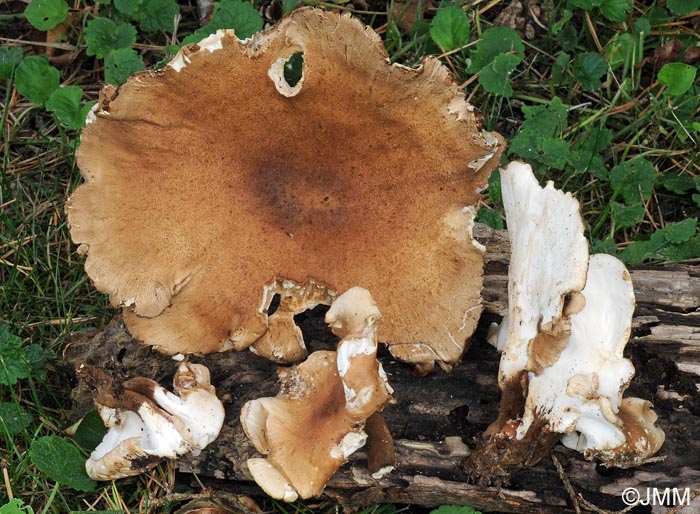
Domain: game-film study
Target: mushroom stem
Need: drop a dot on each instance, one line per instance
(381, 455)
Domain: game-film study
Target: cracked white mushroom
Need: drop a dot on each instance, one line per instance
(549, 259)
(562, 370)
(148, 423)
(316, 422)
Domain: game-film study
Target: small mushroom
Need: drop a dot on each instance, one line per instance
(316, 421)
(148, 423)
(562, 370)
(213, 182)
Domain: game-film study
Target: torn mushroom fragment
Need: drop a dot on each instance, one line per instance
(548, 261)
(316, 422)
(148, 423)
(211, 179)
(580, 395)
(562, 370)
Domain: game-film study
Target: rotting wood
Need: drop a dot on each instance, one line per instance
(436, 415)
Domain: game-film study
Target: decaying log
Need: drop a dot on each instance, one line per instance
(438, 418)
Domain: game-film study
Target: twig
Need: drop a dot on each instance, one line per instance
(567, 483)
(577, 498)
(8, 485)
(60, 46)
(589, 22)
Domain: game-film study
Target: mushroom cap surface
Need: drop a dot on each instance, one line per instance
(212, 178)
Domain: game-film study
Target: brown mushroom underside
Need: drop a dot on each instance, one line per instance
(205, 184)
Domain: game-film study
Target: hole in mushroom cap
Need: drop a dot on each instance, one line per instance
(274, 304)
(293, 69)
(287, 73)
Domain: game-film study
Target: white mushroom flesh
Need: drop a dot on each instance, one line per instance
(594, 352)
(549, 258)
(162, 426)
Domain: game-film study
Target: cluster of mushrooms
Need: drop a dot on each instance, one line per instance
(245, 187)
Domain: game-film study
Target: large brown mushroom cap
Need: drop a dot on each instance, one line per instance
(213, 178)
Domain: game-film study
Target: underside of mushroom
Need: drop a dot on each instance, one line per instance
(213, 185)
(147, 423)
(316, 422)
(562, 371)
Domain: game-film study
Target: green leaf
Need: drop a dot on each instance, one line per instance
(627, 215)
(121, 64)
(36, 79)
(568, 38)
(559, 67)
(61, 461)
(16, 506)
(586, 161)
(13, 363)
(289, 5)
(677, 77)
(240, 16)
(596, 140)
(641, 26)
(494, 42)
(128, 7)
(689, 249)
(682, 7)
(90, 432)
(158, 15)
(586, 4)
(9, 59)
(607, 245)
(103, 36)
(616, 10)
(14, 418)
(558, 25)
(450, 28)
(46, 14)
(495, 78)
(632, 178)
(680, 232)
(554, 152)
(494, 189)
(65, 104)
(490, 218)
(455, 509)
(640, 251)
(36, 357)
(589, 67)
(542, 123)
(678, 184)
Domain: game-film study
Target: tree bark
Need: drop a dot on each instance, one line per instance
(439, 417)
